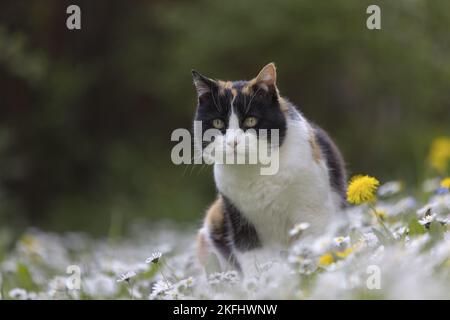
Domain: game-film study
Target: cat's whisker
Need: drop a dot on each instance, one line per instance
(192, 170)
(201, 168)
(192, 164)
(185, 169)
(194, 158)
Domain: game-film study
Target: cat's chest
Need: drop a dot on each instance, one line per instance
(273, 204)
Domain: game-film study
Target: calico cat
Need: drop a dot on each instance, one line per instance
(253, 210)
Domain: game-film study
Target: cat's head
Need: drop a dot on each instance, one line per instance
(239, 111)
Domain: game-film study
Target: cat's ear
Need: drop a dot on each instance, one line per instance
(267, 77)
(202, 84)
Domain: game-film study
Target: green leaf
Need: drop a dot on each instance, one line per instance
(415, 228)
(151, 272)
(436, 230)
(24, 278)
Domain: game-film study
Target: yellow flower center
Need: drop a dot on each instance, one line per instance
(326, 259)
(344, 253)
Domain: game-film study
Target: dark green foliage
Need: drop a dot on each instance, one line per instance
(86, 116)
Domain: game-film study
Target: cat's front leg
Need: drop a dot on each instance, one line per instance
(215, 238)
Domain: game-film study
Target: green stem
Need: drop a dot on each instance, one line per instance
(164, 277)
(170, 269)
(131, 289)
(389, 233)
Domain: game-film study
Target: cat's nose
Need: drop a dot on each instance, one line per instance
(233, 142)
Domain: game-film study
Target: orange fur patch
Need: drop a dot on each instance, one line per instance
(202, 248)
(213, 220)
(317, 154)
(224, 85)
(283, 103)
(248, 88)
(214, 215)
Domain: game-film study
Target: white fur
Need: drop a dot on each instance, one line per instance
(233, 134)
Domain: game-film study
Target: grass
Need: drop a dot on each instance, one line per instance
(398, 248)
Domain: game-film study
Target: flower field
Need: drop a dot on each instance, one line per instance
(395, 246)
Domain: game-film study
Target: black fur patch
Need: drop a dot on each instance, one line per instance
(335, 162)
(243, 233)
(221, 237)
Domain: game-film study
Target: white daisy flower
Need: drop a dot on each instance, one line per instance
(427, 219)
(173, 294)
(231, 276)
(304, 261)
(154, 257)
(159, 288)
(18, 293)
(215, 278)
(126, 276)
(161, 285)
(342, 241)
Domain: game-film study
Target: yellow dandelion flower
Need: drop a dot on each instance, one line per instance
(362, 189)
(326, 259)
(445, 183)
(439, 156)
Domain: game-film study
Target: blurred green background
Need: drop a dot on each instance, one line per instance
(86, 116)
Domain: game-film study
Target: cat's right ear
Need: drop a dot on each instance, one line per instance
(202, 84)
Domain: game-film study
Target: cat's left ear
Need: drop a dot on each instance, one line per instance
(267, 77)
(202, 84)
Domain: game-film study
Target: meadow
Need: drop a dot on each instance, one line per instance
(397, 247)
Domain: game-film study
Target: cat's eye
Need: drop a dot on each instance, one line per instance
(250, 122)
(218, 124)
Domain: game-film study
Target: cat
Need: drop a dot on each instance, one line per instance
(252, 210)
